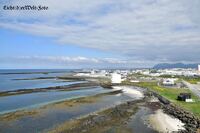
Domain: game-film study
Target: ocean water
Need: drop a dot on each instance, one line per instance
(14, 71)
(8, 78)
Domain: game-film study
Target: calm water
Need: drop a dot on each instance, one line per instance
(16, 102)
(56, 116)
(8, 82)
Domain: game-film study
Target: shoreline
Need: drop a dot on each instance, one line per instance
(165, 123)
(171, 123)
(192, 123)
(169, 113)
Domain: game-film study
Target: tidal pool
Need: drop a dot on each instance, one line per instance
(54, 114)
(32, 100)
(138, 122)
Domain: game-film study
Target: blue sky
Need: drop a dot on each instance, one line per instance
(106, 33)
(20, 44)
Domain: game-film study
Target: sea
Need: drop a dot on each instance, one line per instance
(14, 79)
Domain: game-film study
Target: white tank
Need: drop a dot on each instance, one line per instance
(116, 78)
(199, 68)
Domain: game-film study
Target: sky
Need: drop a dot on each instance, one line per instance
(99, 33)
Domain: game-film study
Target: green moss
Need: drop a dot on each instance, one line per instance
(19, 114)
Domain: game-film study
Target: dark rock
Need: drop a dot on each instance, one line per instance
(184, 120)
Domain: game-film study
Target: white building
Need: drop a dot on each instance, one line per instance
(168, 81)
(199, 68)
(116, 78)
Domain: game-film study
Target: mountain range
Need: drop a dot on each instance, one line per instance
(175, 65)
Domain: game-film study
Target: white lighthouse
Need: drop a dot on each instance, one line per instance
(198, 68)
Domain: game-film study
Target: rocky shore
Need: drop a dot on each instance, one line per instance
(192, 123)
(77, 86)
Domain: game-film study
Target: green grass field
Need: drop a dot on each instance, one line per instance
(171, 94)
(192, 80)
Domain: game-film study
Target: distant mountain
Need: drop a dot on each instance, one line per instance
(176, 65)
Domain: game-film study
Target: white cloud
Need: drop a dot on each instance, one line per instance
(73, 62)
(148, 30)
(67, 62)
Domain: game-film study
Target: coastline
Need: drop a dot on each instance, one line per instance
(136, 93)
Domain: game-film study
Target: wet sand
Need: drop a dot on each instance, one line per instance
(133, 92)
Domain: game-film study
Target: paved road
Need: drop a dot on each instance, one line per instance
(195, 88)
